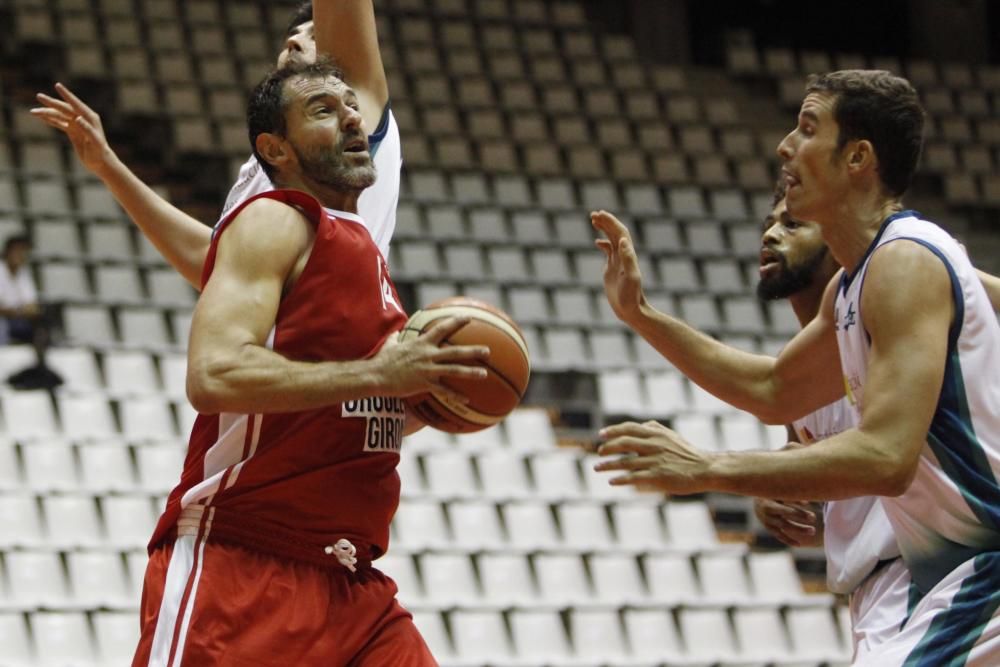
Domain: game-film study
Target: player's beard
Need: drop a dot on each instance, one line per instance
(329, 167)
(789, 280)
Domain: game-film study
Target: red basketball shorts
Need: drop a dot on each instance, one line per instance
(220, 605)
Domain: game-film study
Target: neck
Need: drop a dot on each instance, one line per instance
(850, 227)
(806, 302)
(340, 200)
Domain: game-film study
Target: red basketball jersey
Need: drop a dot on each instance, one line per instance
(295, 483)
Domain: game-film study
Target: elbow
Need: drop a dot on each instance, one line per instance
(897, 481)
(206, 390)
(895, 472)
(772, 416)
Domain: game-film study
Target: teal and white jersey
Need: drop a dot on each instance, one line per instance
(856, 531)
(951, 511)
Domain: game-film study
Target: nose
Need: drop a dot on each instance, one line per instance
(294, 43)
(784, 149)
(771, 235)
(352, 118)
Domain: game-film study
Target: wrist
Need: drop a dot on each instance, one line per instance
(109, 165)
(374, 379)
(717, 469)
(641, 315)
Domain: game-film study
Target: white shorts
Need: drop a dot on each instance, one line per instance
(956, 624)
(879, 607)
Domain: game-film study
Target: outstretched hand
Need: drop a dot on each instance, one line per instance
(422, 364)
(622, 279)
(80, 123)
(654, 458)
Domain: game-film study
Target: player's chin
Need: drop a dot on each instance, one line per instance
(361, 177)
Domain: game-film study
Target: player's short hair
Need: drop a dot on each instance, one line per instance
(15, 240)
(303, 14)
(884, 109)
(267, 104)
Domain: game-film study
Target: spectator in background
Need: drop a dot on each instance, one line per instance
(19, 309)
(22, 318)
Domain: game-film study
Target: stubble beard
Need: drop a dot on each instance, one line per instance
(329, 168)
(791, 280)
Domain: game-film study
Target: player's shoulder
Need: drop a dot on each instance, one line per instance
(904, 279)
(903, 256)
(267, 222)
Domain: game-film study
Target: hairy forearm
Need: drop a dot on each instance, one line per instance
(740, 378)
(847, 465)
(258, 380)
(182, 240)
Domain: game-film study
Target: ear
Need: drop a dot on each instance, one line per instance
(273, 149)
(861, 155)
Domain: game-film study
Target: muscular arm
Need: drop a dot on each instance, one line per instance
(346, 30)
(908, 322)
(992, 285)
(182, 240)
(230, 368)
(804, 377)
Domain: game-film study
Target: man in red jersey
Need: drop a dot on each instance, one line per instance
(263, 555)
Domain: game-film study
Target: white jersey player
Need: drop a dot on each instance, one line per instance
(862, 558)
(913, 343)
(946, 523)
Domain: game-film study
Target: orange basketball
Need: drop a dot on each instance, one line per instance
(507, 369)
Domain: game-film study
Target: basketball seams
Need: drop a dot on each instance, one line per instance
(423, 318)
(424, 323)
(500, 333)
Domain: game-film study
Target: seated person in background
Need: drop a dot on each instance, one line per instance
(19, 307)
(22, 319)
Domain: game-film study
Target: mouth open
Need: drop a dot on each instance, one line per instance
(770, 261)
(356, 146)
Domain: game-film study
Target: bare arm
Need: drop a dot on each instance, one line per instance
(803, 378)
(880, 456)
(230, 369)
(346, 30)
(992, 285)
(181, 239)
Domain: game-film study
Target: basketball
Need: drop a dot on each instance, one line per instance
(507, 368)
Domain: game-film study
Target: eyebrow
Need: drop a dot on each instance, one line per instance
(349, 96)
(809, 115)
(786, 218)
(316, 98)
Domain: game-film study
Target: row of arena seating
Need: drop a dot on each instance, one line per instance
(523, 637)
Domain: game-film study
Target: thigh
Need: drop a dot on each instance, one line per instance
(953, 625)
(396, 642)
(149, 608)
(879, 607)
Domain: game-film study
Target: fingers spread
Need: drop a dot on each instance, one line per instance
(604, 246)
(440, 330)
(55, 104)
(75, 101)
(460, 371)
